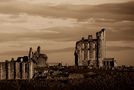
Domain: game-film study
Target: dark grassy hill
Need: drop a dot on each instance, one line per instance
(104, 80)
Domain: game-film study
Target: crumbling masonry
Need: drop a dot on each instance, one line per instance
(10, 70)
(90, 52)
(23, 67)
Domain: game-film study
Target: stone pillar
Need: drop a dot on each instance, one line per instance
(12, 68)
(80, 57)
(26, 70)
(82, 53)
(30, 70)
(98, 49)
(76, 56)
(8, 71)
(90, 48)
(17, 69)
(3, 70)
(23, 71)
(0, 71)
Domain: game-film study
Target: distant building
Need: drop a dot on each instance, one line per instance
(108, 63)
(38, 58)
(24, 67)
(90, 51)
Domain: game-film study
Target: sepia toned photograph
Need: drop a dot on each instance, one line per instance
(66, 45)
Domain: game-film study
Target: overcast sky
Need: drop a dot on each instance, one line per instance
(56, 25)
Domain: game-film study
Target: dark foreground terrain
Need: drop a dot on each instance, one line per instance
(103, 80)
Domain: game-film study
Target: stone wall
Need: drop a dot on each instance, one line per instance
(16, 70)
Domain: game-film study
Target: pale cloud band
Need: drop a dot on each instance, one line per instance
(76, 2)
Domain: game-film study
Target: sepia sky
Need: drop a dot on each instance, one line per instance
(56, 25)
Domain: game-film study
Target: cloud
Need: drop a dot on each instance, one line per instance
(66, 22)
(32, 23)
(120, 11)
(113, 33)
(76, 2)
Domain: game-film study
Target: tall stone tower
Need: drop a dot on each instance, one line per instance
(100, 47)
